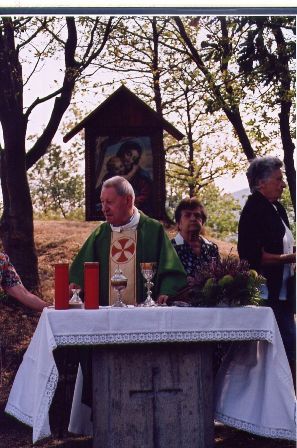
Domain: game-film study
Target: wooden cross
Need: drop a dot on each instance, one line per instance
(154, 392)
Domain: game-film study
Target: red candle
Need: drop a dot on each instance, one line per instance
(91, 287)
(61, 286)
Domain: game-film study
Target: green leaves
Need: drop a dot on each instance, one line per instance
(56, 187)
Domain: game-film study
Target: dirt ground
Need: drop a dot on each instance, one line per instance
(59, 241)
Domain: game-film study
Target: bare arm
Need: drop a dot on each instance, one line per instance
(20, 293)
(268, 258)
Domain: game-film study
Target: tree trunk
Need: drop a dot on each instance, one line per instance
(159, 109)
(235, 119)
(232, 113)
(284, 115)
(288, 147)
(16, 224)
(191, 145)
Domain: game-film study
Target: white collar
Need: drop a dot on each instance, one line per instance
(131, 225)
(178, 239)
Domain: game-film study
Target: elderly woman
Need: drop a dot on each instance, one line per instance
(193, 249)
(266, 242)
(12, 285)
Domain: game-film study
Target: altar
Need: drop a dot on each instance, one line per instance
(253, 390)
(153, 395)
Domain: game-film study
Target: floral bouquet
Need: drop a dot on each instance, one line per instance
(226, 282)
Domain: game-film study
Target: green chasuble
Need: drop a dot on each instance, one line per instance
(152, 245)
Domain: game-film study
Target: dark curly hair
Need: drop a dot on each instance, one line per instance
(189, 204)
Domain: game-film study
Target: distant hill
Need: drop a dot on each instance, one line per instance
(241, 195)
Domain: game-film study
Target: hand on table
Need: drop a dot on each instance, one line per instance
(162, 299)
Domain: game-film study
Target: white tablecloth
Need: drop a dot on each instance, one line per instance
(253, 389)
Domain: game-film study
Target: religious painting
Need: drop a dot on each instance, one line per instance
(130, 157)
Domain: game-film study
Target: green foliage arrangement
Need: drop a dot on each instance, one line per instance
(226, 282)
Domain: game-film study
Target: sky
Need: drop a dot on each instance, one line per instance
(230, 185)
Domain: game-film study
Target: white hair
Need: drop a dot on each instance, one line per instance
(121, 186)
(261, 169)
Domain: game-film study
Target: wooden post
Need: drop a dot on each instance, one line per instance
(153, 396)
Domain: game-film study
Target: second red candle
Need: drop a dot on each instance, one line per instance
(91, 285)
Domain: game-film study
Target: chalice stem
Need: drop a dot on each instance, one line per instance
(148, 270)
(149, 289)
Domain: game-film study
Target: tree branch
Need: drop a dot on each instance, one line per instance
(42, 100)
(27, 41)
(103, 43)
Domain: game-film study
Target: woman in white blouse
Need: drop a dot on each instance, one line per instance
(266, 242)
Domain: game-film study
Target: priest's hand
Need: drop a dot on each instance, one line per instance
(162, 299)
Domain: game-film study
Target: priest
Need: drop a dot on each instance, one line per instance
(127, 238)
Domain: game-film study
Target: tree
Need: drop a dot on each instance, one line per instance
(222, 211)
(145, 49)
(267, 56)
(287, 203)
(228, 73)
(42, 37)
(56, 185)
(204, 155)
(221, 82)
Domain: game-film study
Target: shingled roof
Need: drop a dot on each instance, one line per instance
(124, 95)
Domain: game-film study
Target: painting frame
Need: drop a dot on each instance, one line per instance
(101, 148)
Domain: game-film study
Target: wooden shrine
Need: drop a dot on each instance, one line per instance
(124, 136)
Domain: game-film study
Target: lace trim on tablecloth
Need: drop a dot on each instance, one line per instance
(19, 415)
(39, 429)
(174, 336)
(274, 433)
